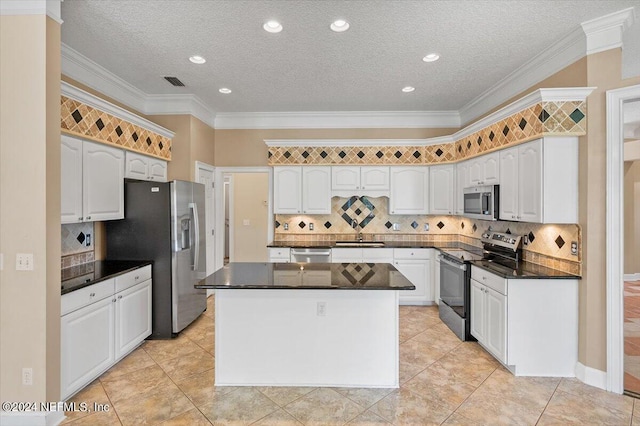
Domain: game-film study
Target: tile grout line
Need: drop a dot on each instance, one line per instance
(549, 401)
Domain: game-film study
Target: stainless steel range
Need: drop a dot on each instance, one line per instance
(455, 277)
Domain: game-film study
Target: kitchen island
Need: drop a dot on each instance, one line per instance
(295, 324)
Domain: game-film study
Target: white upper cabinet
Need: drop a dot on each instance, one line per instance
(302, 190)
(484, 170)
(462, 181)
(103, 182)
(441, 189)
(539, 181)
(409, 187)
(92, 181)
(316, 190)
(71, 180)
(365, 180)
(287, 190)
(142, 167)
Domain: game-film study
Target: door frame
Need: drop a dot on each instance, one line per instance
(219, 203)
(199, 165)
(615, 235)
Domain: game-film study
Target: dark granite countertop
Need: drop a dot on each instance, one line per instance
(80, 276)
(318, 276)
(525, 270)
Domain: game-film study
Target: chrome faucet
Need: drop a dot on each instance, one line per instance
(356, 226)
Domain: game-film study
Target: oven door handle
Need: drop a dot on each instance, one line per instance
(462, 267)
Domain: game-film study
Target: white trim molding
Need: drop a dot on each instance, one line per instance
(615, 235)
(357, 142)
(632, 277)
(337, 120)
(591, 376)
(86, 71)
(605, 32)
(98, 103)
(51, 8)
(31, 418)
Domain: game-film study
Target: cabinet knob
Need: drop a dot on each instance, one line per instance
(92, 295)
(484, 278)
(137, 277)
(113, 300)
(363, 187)
(88, 218)
(150, 177)
(80, 218)
(119, 297)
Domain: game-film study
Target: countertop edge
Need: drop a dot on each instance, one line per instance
(568, 276)
(99, 280)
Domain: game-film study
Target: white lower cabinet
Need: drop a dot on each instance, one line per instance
(100, 325)
(279, 254)
(415, 264)
(529, 325)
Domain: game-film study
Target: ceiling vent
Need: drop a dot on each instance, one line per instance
(174, 81)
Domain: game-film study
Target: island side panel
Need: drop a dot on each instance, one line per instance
(278, 338)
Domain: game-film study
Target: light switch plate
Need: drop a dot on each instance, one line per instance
(426, 226)
(285, 226)
(246, 222)
(574, 248)
(525, 240)
(310, 226)
(396, 227)
(24, 261)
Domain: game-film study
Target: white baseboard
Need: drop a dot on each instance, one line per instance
(31, 418)
(591, 376)
(632, 277)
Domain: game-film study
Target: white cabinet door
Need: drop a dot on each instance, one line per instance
(87, 345)
(103, 182)
(418, 272)
(136, 166)
(345, 178)
(71, 180)
(287, 190)
(530, 182)
(133, 317)
(490, 169)
(475, 171)
(441, 184)
(462, 181)
(495, 338)
(509, 184)
(478, 313)
(279, 254)
(316, 190)
(409, 186)
(374, 178)
(157, 170)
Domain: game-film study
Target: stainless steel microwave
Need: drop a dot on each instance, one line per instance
(481, 202)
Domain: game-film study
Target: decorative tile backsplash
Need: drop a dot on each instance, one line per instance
(549, 245)
(542, 119)
(75, 250)
(83, 120)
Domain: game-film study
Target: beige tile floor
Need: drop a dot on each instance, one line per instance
(443, 381)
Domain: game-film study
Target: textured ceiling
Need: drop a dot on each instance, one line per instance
(307, 67)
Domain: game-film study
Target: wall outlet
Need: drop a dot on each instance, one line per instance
(321, 309)
(525, 240)
(87, 240)
(396, 227)
(574, 248)
(310, 226)
(426, 226)
(27, 376)
(246, 222)
(24, 261)
(285, 226)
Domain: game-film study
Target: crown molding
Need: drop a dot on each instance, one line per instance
(357, 142)
(84, 70)
(605, 32)
(98, 103)
(51, 8)
(337, 120)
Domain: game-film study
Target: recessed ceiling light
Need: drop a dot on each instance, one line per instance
(431, 57)
(408, 89)
(272, 26)
(224, 90)
(197, 59)
(339, 25)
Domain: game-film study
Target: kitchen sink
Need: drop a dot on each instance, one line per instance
(359, 244)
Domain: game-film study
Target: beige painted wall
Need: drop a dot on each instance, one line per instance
(250, 193)
(246, 147)
(179, 167)
(202, 144)
(632, 217)
(30, 210)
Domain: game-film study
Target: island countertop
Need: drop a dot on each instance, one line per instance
(308, 276)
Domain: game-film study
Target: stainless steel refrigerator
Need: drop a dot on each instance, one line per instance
(165, 223)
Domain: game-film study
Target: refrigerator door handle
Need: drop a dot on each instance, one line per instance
(195, 246)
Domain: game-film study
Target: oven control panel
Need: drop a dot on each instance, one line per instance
(504, 240)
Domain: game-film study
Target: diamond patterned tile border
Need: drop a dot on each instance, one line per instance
(545, 118)
(83, 120)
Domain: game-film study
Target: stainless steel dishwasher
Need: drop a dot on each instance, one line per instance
(311, 255)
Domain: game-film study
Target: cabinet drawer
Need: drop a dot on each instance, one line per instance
(132, 278)
(412, 254)
(380, 255)
(493, 281)
(344, 255)
(72, 301)
(279, 253)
